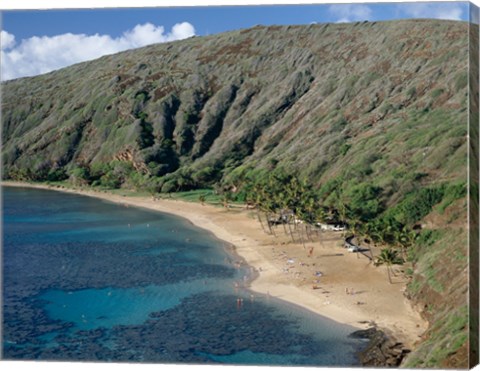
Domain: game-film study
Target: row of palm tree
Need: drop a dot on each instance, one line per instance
(284, 199)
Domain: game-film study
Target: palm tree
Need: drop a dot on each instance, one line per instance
(340, 206)
(279, 185)
(289, 218)
(405, 238)
(372, 232)
(226, 197)
(388, 257)
(308, 207)
(380, 231)
(364, 232)
(284, 220)
(270, 207)
(255, 198)
(354, 225)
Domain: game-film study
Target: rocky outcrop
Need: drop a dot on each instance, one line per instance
(381, 350)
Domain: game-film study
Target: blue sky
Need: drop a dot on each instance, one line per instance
(30, 38)
(24, 24)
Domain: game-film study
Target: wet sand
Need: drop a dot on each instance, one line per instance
(345, 287)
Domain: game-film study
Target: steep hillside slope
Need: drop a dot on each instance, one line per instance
(313, 97)
(368, 112)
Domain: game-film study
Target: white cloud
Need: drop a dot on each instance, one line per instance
(38, 55)
(183, 30)
(452, 11)
(7, 40)
(350, 12)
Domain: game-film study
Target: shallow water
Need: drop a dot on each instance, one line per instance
(85, 279)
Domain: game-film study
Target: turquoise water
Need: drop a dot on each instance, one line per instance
(84, 279)
(92, 308)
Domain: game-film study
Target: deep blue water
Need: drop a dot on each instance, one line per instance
(84, 279)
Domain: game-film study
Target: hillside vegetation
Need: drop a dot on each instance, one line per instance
(369, 117)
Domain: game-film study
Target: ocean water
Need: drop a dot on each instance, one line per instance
(85, 279)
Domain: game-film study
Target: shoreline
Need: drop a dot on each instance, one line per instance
(284, 270)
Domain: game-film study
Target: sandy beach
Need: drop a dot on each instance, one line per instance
(318, 282)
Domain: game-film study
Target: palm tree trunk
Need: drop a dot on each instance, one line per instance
(371, 252)
(260, 220)
(283, 224)
(319, 235)
(300, 233)
(270, 225)
(388, 273)
(307, 230)
(291, 233)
